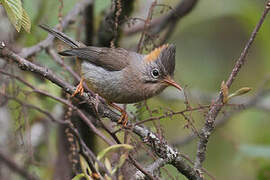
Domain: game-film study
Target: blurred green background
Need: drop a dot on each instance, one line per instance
(208, 40)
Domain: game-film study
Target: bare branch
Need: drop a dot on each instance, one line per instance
(108, 29)
(144, 172)
(157, 25)
(68, 87)
(146, 25)
(218, 104)
(165, 151)
(162, 149)
(153, 169)
(252, 102)
(68, 19)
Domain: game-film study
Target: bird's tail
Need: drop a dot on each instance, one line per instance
(61, 36)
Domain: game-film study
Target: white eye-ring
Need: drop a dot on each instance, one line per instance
(155, 73)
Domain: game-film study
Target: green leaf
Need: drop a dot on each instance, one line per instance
(108, 165)
(240, 92)
(255, 151)
(84, 166)
(79, 176)
(26, 22)
(14, 11)
(113, 147)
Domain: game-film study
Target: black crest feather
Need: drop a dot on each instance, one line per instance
(167, 59)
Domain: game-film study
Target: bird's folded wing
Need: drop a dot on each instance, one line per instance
(111, 59)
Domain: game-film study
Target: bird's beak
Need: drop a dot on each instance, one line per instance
(171, 82)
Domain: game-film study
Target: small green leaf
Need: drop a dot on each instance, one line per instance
(108, 165)
(26, 22)
(84, 165)
(14, 11)
(79, 176)
(113, 147)
(240, 92)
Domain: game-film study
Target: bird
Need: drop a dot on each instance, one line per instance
(119, 75)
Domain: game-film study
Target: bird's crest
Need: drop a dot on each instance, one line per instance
(153, 55)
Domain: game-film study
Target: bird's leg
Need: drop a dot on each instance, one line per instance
(79, 88)
(124, 117)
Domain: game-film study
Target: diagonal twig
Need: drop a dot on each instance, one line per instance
(69, 18)
(162, 149)
(218, 104)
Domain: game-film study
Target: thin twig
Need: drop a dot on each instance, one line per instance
(63, 101)
(152, 169)
(171, 114)
(138, 166)
(69, 18)
(218, 104)
(157, 25)
(104, 111)
(252, 102)
(146, 24)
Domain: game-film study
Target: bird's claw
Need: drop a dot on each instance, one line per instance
(123, 119)
(79, 88)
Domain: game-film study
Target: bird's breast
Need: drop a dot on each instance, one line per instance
(117, 86)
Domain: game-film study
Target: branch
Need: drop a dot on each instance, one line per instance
(108, 32)
(143, 171)
(165, 151)
(153, 169)
(252, 102)
(146, 25)
(157, 25)
(162, 149)
(85, 151)
(55, 56)
(68, 19)
(218, 104)
(26, 65)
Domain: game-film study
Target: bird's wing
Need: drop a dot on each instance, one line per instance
(112, 59)
(61, 36)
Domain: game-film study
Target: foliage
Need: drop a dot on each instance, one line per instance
(17, 15)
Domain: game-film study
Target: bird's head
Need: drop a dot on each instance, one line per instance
(159, 67)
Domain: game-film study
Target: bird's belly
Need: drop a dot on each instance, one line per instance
(115, 87)
(109, 84)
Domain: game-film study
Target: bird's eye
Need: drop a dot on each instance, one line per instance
(155, 73)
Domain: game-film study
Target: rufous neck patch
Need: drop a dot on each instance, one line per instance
(153, 55)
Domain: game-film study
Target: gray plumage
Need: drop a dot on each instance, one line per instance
(167, 59)
(108, 58)
(119, 75)
(61, 36)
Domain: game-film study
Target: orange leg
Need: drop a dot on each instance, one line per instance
(79, 88)
(124, 117)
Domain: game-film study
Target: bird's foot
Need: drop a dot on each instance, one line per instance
(79, 88)
(124, 117)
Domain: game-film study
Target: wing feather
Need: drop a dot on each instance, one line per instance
(111, 59)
